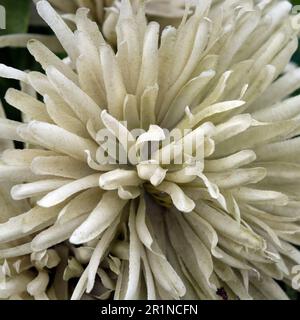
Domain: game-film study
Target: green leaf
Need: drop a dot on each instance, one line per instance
(17, 16)
(293, 295)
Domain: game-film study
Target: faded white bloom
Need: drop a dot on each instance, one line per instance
(106, 14)
(219, 224)
(156, 8)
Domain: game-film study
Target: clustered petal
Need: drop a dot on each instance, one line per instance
(200, 199)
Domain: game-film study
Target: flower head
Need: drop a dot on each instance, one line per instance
(169, 166)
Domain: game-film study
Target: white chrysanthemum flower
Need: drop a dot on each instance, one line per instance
(213, 214)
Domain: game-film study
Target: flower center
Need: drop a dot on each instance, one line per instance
(162, 198)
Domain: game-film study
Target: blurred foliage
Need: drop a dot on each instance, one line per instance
(17, 15)
(18, 21)
(295, 2)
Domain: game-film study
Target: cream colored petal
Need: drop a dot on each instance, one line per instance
(8, 129)
(120, 131)
(149, 65)
(152, 172)
(270, 288)
(12, 73)
(234, 161)
(134, 259)
(27, 223)
(12, 252)
(189, 264)
(68, 189)
(180, 200)
(204, 231)
(216, 93)
(282, 150)
(281, 88)
(261, 133)
(232, 127)
(106, 212)
(202, 254)
(122, 281)
(73, 270)
(287, 109)
(114, 85)
(82, 105)
(23, 157)
(27, 104)
(60, 166)
(80, 286)
(46, 58)
(116, 178)
(186, 96)
(148, 103)
(60, 28)
(227, 226)
(39, 284)
(238, 177)
(192, 51)
(17, 174)
(56, 234)
(89, 82)
(141, 224)
(87, 26)
(57, 112)
(261, 196)
(128, 193)
(60, 140)
(99, 253)
(130, 112)
(208, 112)
(27, 190)
(85, 202)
